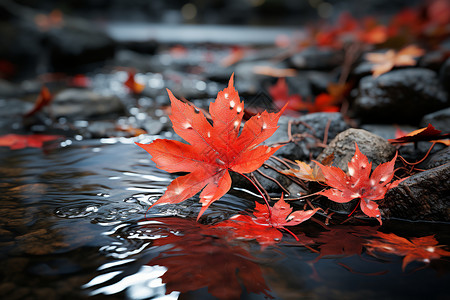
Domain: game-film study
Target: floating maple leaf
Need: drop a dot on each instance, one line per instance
(358, 184)
(384, 62)
(281, 215)
(422, 249)
(428, 133)
(19, 141)
(263, 225)
(213, 150)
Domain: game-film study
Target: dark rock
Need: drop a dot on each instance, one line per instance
(11, 112)
(387, 131)
(76, 44)
(22, 46)
(317, 58)
(138, 61)
(439, 158)
(439, 119)
(81, 104)
(423, 196)
(8, 89)
(444, 75)
(308, 133)
(433, 59)
(400, 96)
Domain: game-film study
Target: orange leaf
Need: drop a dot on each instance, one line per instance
(384, 62)
(305, 172)
(44, 99)
(213, 150)
(134, 86)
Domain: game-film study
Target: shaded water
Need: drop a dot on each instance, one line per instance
(73, 226)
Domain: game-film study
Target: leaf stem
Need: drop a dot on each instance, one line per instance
(259, 190)
(291, 233)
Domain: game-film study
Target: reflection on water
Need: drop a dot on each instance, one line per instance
(73, 224)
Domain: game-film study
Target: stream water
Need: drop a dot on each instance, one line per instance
(73, 226)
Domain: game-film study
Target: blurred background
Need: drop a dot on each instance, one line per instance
(55, 35)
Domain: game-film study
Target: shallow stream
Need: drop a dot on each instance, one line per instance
(74, 226)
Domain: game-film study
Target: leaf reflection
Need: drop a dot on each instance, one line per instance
(200, 257)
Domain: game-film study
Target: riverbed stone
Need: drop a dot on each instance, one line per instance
(399, 96)
(85, 104)
(308, 132)
(439, 119)
(317, 58)
(377, 149)
(423, 196)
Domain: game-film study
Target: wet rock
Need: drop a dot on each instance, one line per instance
(84, 104)
(400, 96)
(137, 61)
(22, 46)
(78, 43)
(439, 158)
(444, 75)
(8, 89)
(439, 119)
(377, 149)
(387, 131)
(317, 58)
(308, 133)
(11, 112)
(423, 196)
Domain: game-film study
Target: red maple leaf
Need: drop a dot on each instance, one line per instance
(19, 141)
(359, 184)
(422, 249)
(428, 133)
(213, 150)
(281, 215)
(263, 226)
(280, 95)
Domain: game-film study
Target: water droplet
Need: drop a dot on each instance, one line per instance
(232, 103)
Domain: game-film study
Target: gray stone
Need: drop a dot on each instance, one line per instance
(377, 149)
(423, 196)
(439, 119)
(317, 58)
(80, 104)
(400, 96)
(308, 132)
